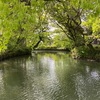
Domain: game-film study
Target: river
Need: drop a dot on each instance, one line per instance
(49, 76)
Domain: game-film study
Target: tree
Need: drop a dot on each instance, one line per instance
(26, 23)
(18, 22)
(69, 15)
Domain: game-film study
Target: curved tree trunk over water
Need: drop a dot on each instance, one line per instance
(36, 45)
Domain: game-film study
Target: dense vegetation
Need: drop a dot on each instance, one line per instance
(55, 24)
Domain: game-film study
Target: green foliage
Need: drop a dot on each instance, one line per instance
(72, 14)
(24, 25)
(17, 23)
(96, 26)
(83, 52)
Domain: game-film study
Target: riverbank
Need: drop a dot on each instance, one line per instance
(86, 53)
(76, 53)
(16, 53)
(50, 50)
(9, 54)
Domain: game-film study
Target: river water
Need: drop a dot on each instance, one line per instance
(49, 76)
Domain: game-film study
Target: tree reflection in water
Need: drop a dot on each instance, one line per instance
(49, 76)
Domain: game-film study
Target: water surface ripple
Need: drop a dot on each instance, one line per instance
(49, 76)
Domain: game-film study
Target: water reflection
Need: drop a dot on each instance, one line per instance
(49, 76)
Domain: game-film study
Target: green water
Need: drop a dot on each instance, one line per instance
(49, 76)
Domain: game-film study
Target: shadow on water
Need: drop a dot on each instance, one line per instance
(12, 78)
(49, 76)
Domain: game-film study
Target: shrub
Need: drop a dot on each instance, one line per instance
(82, 52)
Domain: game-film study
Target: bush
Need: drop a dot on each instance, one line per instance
(97, 57)
(82, 52)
